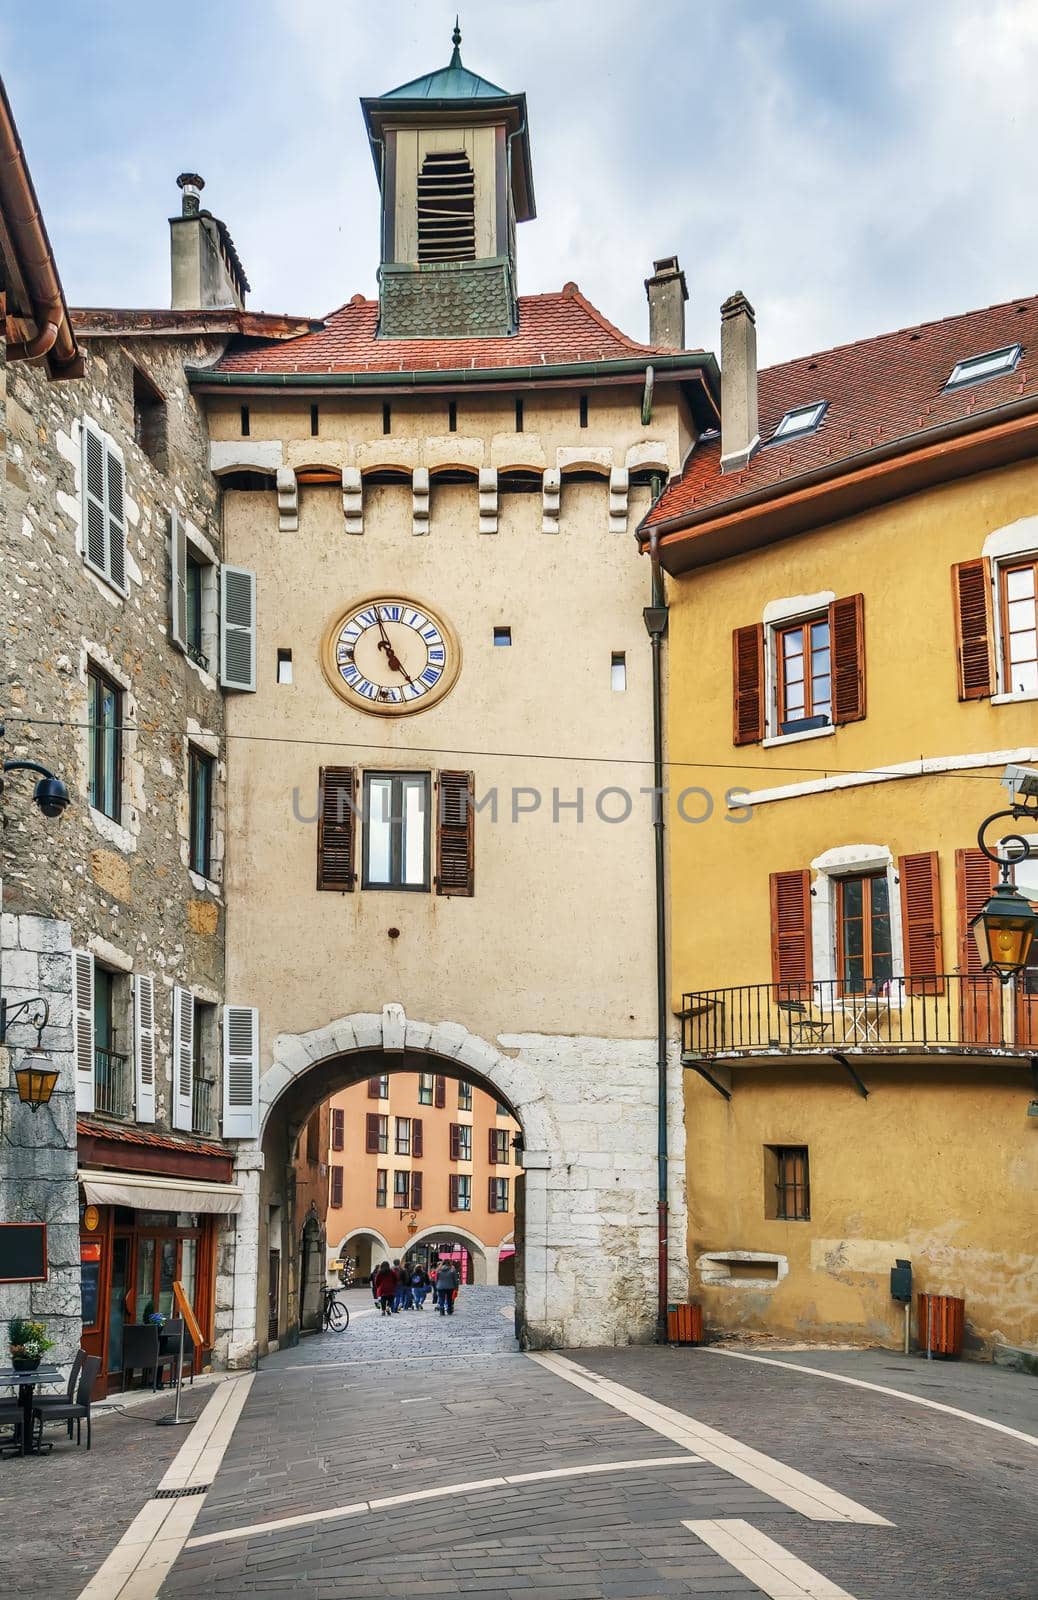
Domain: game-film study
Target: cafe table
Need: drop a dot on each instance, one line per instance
(25, 1383)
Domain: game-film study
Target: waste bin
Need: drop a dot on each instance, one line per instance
(684, 1324)
(942, 1318)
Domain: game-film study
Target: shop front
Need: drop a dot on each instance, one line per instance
(151, 1210)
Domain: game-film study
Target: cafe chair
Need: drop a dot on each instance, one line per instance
(140, 1350)
(74, 1410)
(43, 1403)
(12, 1416)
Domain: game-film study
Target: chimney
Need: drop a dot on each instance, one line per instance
(667, 293)
(739, 436)
(207, 274)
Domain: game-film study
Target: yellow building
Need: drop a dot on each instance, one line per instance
(853, 665)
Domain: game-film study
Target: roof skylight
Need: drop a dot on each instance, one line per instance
(802, 419)
(991, 365)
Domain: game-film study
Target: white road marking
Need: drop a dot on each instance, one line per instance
(398, 1359)
(764, 1562)
(137, 1568)
(771, 1477)
(416, 1400)
(882, 1388)
(333, 1513)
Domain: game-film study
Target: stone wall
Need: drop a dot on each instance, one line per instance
(38, 1149)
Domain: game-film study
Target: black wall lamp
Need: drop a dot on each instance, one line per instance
(1004, 928)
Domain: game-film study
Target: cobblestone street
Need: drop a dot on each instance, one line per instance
(419, 1455)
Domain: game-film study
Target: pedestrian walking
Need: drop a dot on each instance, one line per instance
(402, 1300)
(421, 1283)
(386, 1285)
(447, 1285)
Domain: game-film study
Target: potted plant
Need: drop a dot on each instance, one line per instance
(29, 1343)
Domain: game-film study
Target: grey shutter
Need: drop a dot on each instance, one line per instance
(240, 1072)
(183, 1057)
(177, 580)
(237, 628)
(144, 1046)
(94, 515)
(83, 994)
(116, 518)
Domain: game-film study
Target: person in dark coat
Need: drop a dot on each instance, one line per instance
(421, 1283)
(447, 1284)
(386, 1285)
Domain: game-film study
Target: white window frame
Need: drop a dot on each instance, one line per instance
(1004, 694)
(787, 428)
(851, 861)
(962, 378)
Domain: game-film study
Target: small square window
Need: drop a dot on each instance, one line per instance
(502, 636)
(618, 671)
(787, 1189)
(245, 422)
(992, 365)
(801, 420)
(315, 421)
(284, 666)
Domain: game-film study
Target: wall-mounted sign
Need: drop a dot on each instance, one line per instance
(91, 1219)
(23, 1252)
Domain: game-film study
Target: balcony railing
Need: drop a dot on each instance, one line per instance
(203, 1110)
(954, 1012)
(113, 1084)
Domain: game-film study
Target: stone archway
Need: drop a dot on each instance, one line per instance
(378, 1250)
(484, 1269)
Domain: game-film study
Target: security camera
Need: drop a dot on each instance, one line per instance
(51, 796)
(1021, 781)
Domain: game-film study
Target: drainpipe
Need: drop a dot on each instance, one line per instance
(655, 616)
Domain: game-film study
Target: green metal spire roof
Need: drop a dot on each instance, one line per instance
(452, 82)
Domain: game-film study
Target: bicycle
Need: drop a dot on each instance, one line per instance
(334, 1314)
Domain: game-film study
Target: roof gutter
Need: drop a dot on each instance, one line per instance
(54, 338)
(907, 446)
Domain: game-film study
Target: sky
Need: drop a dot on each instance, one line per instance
(854, 166)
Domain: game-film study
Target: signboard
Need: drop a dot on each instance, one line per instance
(191, 1327)
(90, 1268)
(23, 1252)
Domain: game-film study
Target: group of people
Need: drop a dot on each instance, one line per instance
(398, 1287)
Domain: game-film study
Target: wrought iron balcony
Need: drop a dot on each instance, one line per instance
(113, 1084)
(203, 1110)
(955, 1013)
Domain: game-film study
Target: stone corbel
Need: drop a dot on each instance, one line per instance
(619, 486)
(551, 500)
(288, 500)
(488, 499)
(420, 500)
(353, 499)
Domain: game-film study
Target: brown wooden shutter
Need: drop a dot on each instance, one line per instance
(974, 628)
(748, 683)
(975, 877)
(371, 1131)
(847, 640)
(416, 1136)
(440, 1091)
(455, 1139)
(338, 1128)
(452, 1191)
(336, 829)
(491, 1194)
(791, 928)
(455, 820)
(921, 922)
(416, 1191)
(374, 1088)
(492, 1141)
(337, 1188)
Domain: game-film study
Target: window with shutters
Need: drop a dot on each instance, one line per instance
(1018, 626)
(459, 1191)
(378, 1088)
(864, 956)
(787, 1189)
(201, 770)
(460, 1141)
(455, 822)
(403, 1136)
(336, 829)
(103, 506)
(338, 1128)
(416, 1191)
(425, 1088)
(402, 1190)
(499, 1149)
(803, 673)
(381, 1187)
(801, 676)
(149, 419)
(203, 1072)
(113, 1084)
(104, 743)
(336, 1189)
(376, 1140)
(497, 1196)
(396, 831)
(464, 1097)
(446, 207)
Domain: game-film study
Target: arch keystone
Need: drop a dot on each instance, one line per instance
(394, 1027)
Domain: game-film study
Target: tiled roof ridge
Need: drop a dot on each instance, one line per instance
(898, 333)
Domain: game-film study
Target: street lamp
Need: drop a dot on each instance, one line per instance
(36, 1080)
(1004, 928)
(50, 794)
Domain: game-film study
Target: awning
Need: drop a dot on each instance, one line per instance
(148, 1193)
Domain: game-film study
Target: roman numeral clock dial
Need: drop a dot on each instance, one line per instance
(391, 656)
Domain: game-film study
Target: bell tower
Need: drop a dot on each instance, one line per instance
(452, 155)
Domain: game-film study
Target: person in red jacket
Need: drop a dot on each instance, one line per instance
(386, 1284)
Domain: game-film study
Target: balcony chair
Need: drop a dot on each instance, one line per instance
(802, 1021)
(74, 1410)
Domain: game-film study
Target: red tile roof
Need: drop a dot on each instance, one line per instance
(553, 329)
(878, 391)
(124, 1134)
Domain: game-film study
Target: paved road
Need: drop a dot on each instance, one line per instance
(389, 1447)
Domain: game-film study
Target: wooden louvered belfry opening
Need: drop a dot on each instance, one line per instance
(446, 207)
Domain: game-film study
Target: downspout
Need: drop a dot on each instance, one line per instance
(655, 616)
(45, 340)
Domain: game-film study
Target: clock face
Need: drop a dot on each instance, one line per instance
(391, 656)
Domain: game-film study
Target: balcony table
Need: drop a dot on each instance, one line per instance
(868, 1013)
(25, 1383)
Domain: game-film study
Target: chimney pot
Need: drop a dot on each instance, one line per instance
(667, 292)
(739, 430)
(191, 186)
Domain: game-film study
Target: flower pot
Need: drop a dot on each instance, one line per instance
(25, 1363)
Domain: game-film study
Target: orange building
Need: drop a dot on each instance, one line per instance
(426, 1165)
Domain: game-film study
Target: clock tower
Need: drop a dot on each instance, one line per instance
(452, 155)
